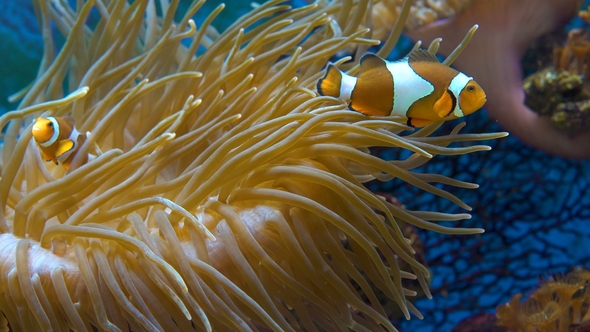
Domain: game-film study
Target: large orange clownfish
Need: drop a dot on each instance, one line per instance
(58, 139)
(418, 87)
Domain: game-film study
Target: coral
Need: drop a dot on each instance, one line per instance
(560, 304)
(423, 12)
(560, 95)
(507, 29)
(560, 91)
(574, 54)
(228, 195)
(548, 88)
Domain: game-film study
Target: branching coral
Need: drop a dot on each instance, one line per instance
(226, 187)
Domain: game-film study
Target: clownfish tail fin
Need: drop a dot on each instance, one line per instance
(330, 84)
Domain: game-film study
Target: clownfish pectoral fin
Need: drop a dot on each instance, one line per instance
(418, 122)
(445, 104)
(423, 55)
(330, 84)
(64, 146)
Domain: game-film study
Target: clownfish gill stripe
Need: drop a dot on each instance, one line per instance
(454, 102)
(408, 87)
(55, 135)
(457, 84)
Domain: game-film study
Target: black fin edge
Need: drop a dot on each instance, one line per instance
(454, 102)
(319, 84)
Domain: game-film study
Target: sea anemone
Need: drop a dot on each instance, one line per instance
(224, 193)
(423, 12)
(507, 29)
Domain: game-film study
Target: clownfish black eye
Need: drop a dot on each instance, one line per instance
(470, 88)
(50, 125)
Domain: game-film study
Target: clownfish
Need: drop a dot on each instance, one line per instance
(58, 139)
(418, 87)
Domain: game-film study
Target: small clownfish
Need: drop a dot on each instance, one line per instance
(418, 87)
(58, 139)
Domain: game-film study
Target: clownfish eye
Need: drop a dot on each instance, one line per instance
(470, 88)
(50, 125)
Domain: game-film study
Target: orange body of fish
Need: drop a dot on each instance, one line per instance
(418, 87)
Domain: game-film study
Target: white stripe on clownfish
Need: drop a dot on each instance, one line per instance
(55, 135)
(457, 85)
(347, 85)
(408, 87)
(74, 138)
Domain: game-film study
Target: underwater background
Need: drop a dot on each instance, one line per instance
(534, 207)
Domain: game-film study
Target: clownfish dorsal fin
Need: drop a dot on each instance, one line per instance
(423, 55)
(64, 146)
(371, 61)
